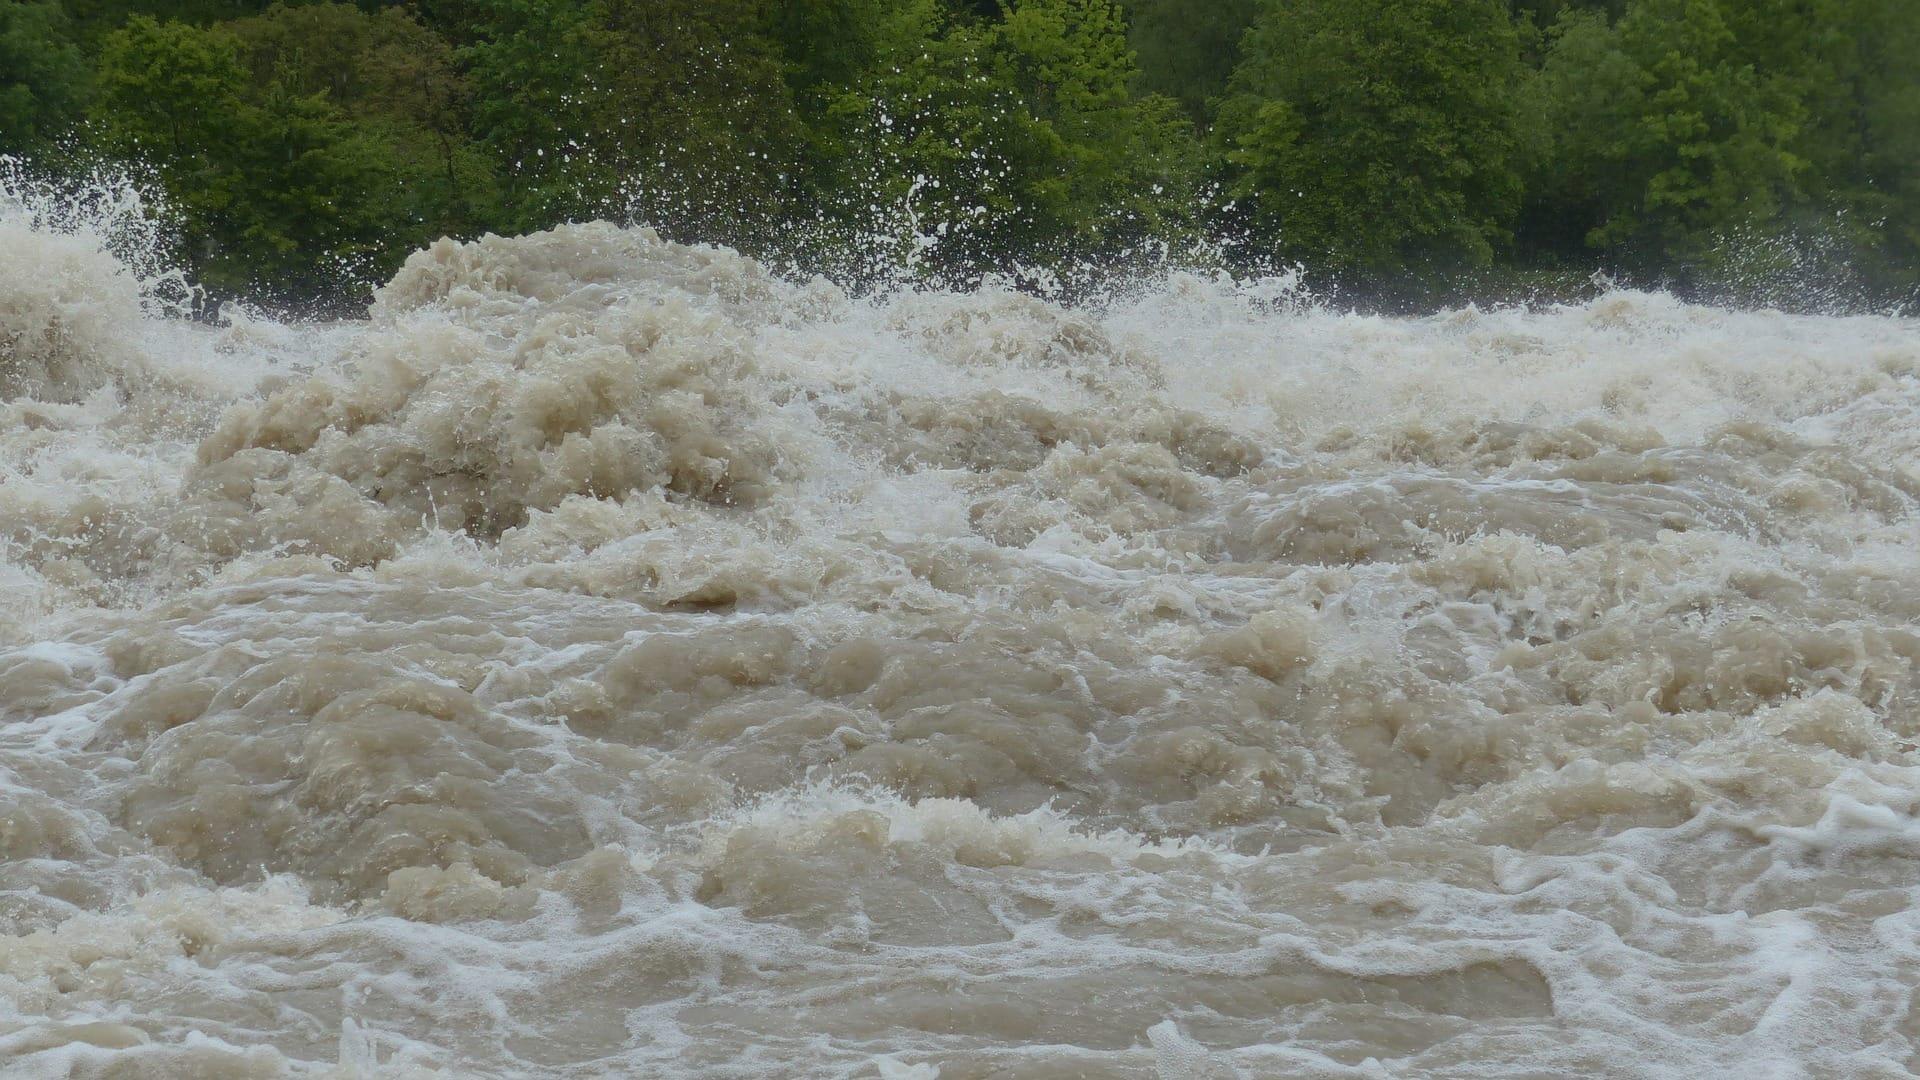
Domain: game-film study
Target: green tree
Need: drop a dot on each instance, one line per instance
(1374, 135)
(1854, 67)
(1661, 135)
(700, 117)
(825, 43)
(277, 191)
(1545, 13)
(1123, 176)
(172, 94)
(97, 18)
(396, 85)
(307, 144)
(310, 220)
(1015, 138)
(43, 77)
(1187, 48)
(677, 109)
(528, 63)
(1881, 182)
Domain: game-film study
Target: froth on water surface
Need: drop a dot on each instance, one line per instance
(612, 659)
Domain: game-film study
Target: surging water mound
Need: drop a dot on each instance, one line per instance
(83, 263)
(503, 383)
(70, 312)
(103, 393)
(613, 658)
(510, 376)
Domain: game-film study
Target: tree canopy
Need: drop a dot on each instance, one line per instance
(1370, 134)
(306, 146)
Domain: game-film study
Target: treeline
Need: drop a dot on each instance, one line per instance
(1401, 147)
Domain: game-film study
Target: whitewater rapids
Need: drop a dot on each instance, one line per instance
(612, 659)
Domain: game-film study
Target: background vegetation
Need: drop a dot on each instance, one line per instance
(1411, 150)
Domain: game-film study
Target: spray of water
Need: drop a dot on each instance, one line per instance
(614, 657)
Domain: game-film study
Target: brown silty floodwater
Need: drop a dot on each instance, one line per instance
(611, 659)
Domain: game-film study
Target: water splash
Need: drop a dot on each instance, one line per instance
(615, 655)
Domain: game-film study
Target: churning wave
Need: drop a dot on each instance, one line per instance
(613, 658)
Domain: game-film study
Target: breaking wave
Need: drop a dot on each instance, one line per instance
(612, 657)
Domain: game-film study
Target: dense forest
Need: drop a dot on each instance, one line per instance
(1404, 149)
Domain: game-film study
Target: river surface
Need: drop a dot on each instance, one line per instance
(611, 659)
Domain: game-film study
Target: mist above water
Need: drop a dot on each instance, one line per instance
(613, 658)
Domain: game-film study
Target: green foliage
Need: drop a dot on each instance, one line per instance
(306, 145)
(593, 107)
(100, 17)
(1881, 180)
(279, 190)
(1854, 67)
(1187, 48)
(700, 121)
(43, 77)
(1544, 13)
(530, 112)
(1018, 138)
(397, 85)
(1372, 134)
(171, 93)
(308, 212)
(1118, 161)
(826, 43)
(1670, 134)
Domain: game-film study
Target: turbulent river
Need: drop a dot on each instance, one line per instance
(611, 659)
